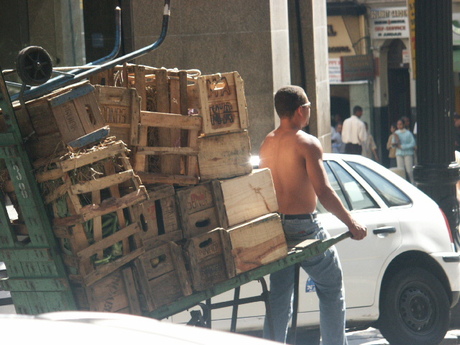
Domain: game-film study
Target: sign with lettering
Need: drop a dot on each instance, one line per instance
(387, 23)
(335, 71)
(358, 67)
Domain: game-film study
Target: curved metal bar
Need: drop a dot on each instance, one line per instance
(61, 81)
(117, 46)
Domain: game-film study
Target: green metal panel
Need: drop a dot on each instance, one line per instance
(37, 278)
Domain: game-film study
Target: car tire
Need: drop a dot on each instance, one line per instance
(414, 308)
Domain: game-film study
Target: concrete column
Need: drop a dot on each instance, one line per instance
(308, 20)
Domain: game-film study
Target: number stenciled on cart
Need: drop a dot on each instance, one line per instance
(22, 187)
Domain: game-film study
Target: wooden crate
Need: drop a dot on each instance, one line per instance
(199, 209)
(257, 242)
(209, 259)
(162, 276)
(115, 292)
(92, 193)
(183, 170)
(72, 111)
(224, 156)
(247, 197)
(220, 100)
(158, 217)
(225, 203)
(120, 108)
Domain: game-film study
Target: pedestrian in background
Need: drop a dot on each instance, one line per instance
(392, 143)
(369, 146)
(405, 150)
(354, 132)
(336, 138)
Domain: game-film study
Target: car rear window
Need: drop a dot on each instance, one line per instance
(391, 195)
(350, 192)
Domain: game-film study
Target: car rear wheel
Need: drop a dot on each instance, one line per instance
(414, 308)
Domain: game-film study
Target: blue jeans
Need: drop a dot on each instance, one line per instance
(325, 270)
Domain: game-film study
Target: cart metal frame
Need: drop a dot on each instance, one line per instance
(37, 278)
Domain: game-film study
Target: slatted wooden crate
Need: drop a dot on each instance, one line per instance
(72, 112)
(91, 197)
(120, 108)
(225, 203)
(158, 217)
(224, 156)
(115, 292)
(200, 209)
(209, 259)
(162, 276)
(257, 242)
(220, 100)
(151, 159)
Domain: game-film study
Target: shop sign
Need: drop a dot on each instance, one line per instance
(388, 23)
(335, 71)
(358, 67)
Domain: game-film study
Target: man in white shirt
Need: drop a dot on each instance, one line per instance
(354, 132)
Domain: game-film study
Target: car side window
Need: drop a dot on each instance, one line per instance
(350, 192)
(336, 186)
(391, 195)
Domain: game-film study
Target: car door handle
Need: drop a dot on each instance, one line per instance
(384, 230)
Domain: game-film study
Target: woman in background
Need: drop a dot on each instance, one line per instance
(405, 150)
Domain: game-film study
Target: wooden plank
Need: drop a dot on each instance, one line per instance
(150, 178)
(135, 118)
(131, 292)
(257, 242)
(102, 183)
(97, 223)
(187, 151)
(167, 120)
(224, 156)
(102, 270)
(115, 192)
(49, 175)
(108, 241)
(93, 156)
(107, 206)
(248, 197)
(58, 192)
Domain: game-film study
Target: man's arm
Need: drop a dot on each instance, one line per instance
(326, 194)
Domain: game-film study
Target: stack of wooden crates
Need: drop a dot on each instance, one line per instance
(189, 209)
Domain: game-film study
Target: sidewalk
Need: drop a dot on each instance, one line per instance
(371, 336)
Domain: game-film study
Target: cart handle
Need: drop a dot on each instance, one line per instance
(61, 81)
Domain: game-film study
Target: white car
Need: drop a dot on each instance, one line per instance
(76, 328)
(403, 278)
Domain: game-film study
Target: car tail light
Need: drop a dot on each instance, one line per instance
(447, 226)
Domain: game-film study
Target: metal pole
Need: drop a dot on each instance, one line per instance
(436, 173)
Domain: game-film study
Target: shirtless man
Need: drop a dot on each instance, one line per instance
(295, 160)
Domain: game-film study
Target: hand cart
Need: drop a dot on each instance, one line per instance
(37, 278)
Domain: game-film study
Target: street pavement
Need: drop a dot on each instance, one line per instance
(372, 336)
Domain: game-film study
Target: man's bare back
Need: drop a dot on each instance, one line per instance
(284, 152)
(295, 159)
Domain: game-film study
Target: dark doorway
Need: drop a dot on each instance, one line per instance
(14, 30)
(398, 83)
(339, 106)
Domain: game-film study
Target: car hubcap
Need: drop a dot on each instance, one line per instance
(416, 309)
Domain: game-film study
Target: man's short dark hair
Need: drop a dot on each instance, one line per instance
(288, 99)
(357, 108)
(456, 116)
